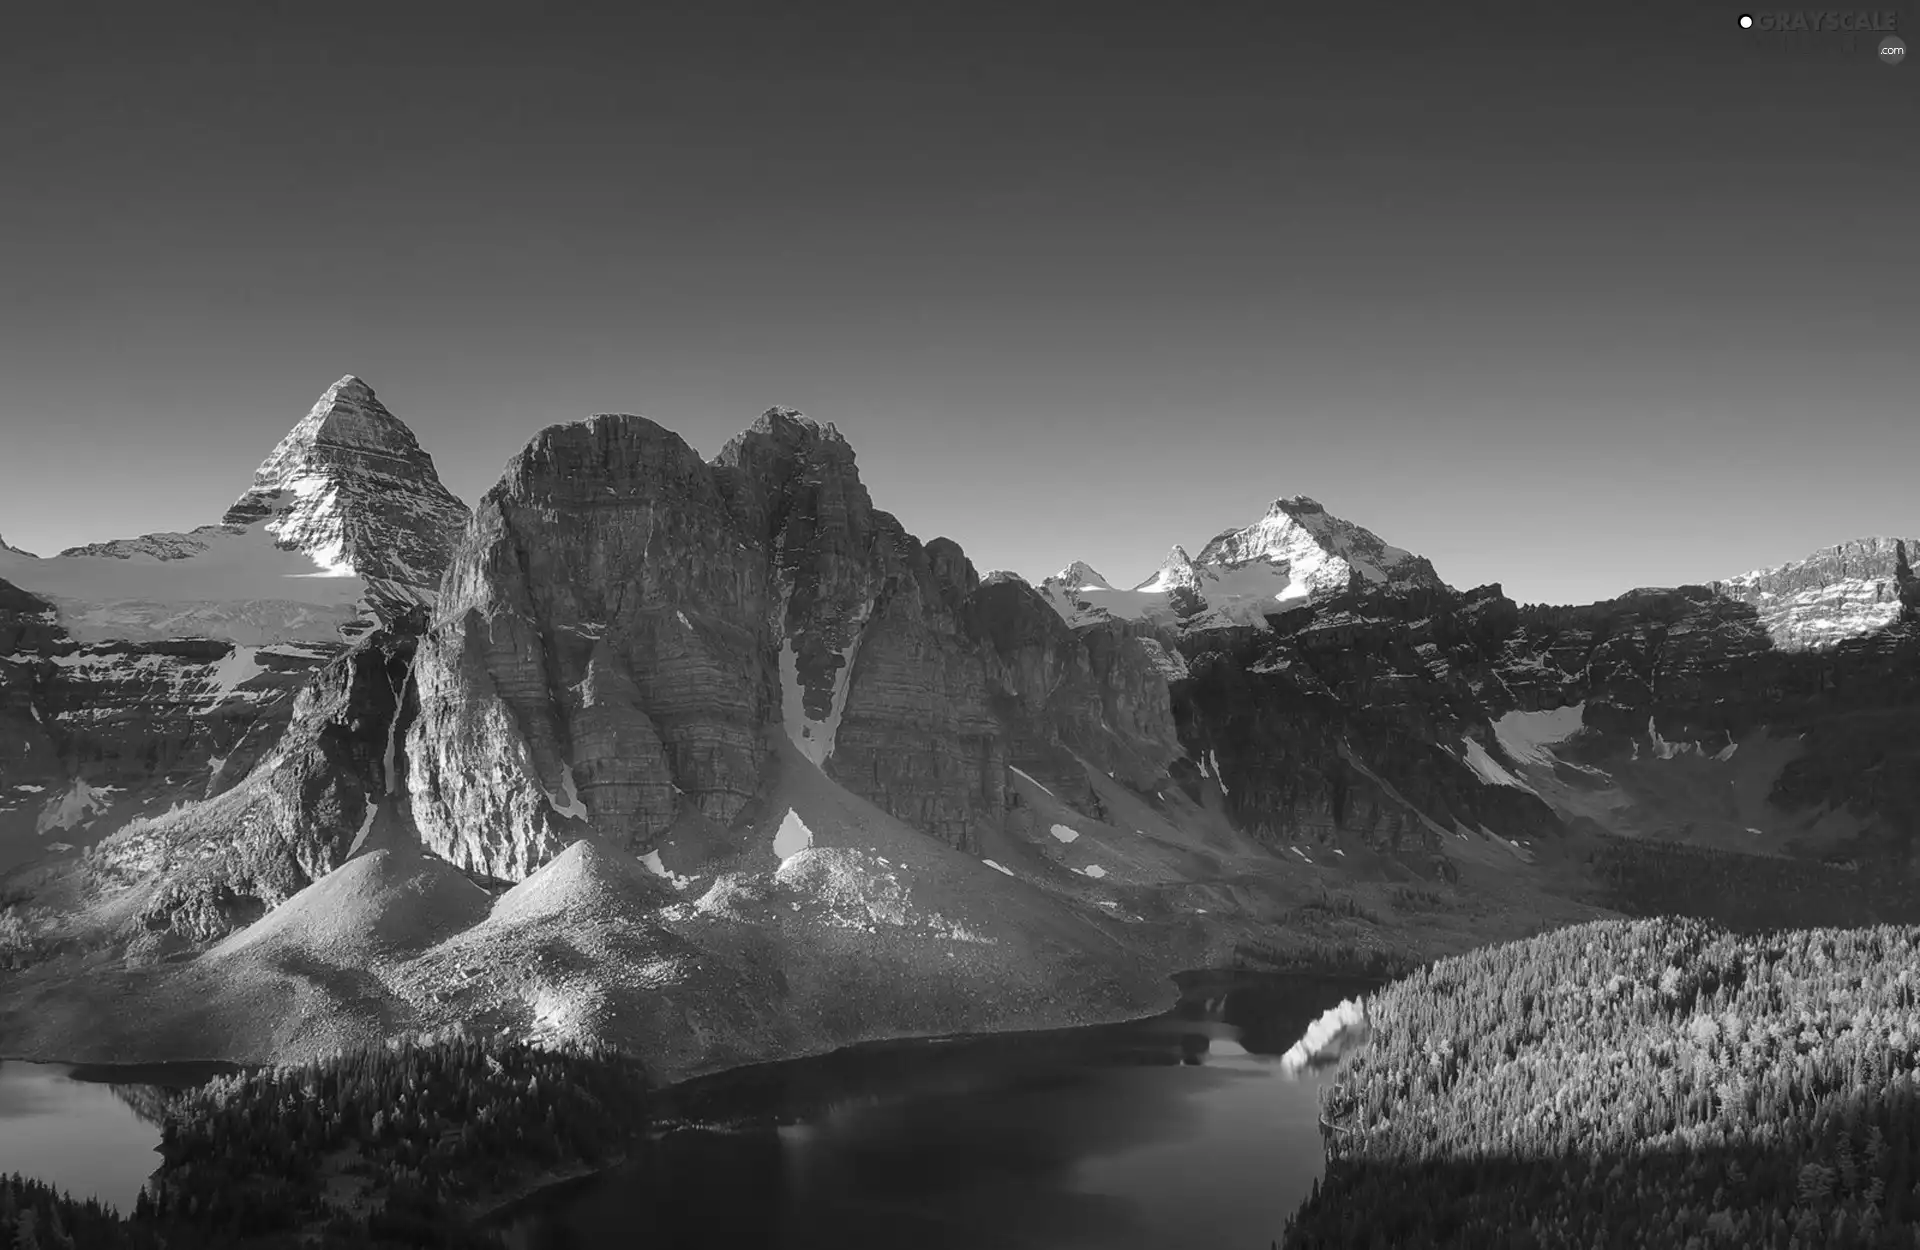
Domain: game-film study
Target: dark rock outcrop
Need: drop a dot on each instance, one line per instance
(308, 805)
(624, 621)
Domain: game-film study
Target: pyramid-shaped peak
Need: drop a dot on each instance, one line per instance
(1301, 534)
(1081, 576)
(347, 415)
(351, 486)
(1175, 570)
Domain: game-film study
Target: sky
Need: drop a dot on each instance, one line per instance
(1576, 299)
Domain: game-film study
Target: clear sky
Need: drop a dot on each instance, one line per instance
(1579, 299)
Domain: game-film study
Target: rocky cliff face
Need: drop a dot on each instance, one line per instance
(1840, 592)
(308, 805)
(1094, 697)
(351, 487)
(1420, 714)
(142, 673)
(624, 621)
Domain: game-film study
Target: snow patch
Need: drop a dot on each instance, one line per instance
(366, 827)
(815, 738)
(240, 665)
(220, 581)
(1527, 736)
(1024, 776)
(792, 837)
(567, 802)
(1489, 769)
(653, 865)
(1064, 833)
(80, 803)
(1093, 870)
(997, 867)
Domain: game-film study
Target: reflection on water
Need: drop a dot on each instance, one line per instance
(1198, 1128)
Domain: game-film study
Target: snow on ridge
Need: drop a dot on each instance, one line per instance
(1012, 769)
(1489, 769)
(1293, 555)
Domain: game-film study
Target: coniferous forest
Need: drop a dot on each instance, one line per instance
(395, 1145)
(1655, 1083)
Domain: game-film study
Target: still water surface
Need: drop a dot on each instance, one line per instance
(91, 1131)
(1196, 1130)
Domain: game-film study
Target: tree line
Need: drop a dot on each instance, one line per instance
(398, 1144)
(1651, 1083)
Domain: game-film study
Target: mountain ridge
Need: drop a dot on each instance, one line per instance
(793, 736)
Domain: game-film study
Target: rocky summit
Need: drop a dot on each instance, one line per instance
(712, 757)
(141, 673)
(351, 487)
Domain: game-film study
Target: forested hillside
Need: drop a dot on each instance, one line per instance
(398, 1145)
(1635, 1084)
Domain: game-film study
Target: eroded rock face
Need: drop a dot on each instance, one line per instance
(1373, 713)
(351, 486)
(623, 620)
(309, 804)
(603, 641)
(92, 736)
(140, 673)
(1097, 695)
(1841, 592)
(1354, 719)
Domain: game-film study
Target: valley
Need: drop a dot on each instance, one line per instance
(709, 763)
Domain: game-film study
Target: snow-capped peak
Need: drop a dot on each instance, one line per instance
(12, 550)
(1295, 554)
(1175, 570)
(346, 515)
(1302, 531)
(1080, 576)
(352, 488)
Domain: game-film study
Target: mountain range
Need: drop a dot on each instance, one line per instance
(712, 758)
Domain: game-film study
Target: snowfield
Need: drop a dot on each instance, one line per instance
(220, 581)
(1526, 736)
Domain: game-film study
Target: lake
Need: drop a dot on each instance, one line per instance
(91, 1131)
(1198, 1129)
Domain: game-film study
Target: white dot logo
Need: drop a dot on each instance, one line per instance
(1746, 21)
(1893, 50)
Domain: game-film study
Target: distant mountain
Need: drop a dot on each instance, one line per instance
(153, 670)
(713, 758)
(1838, 592)
(1294, 556)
